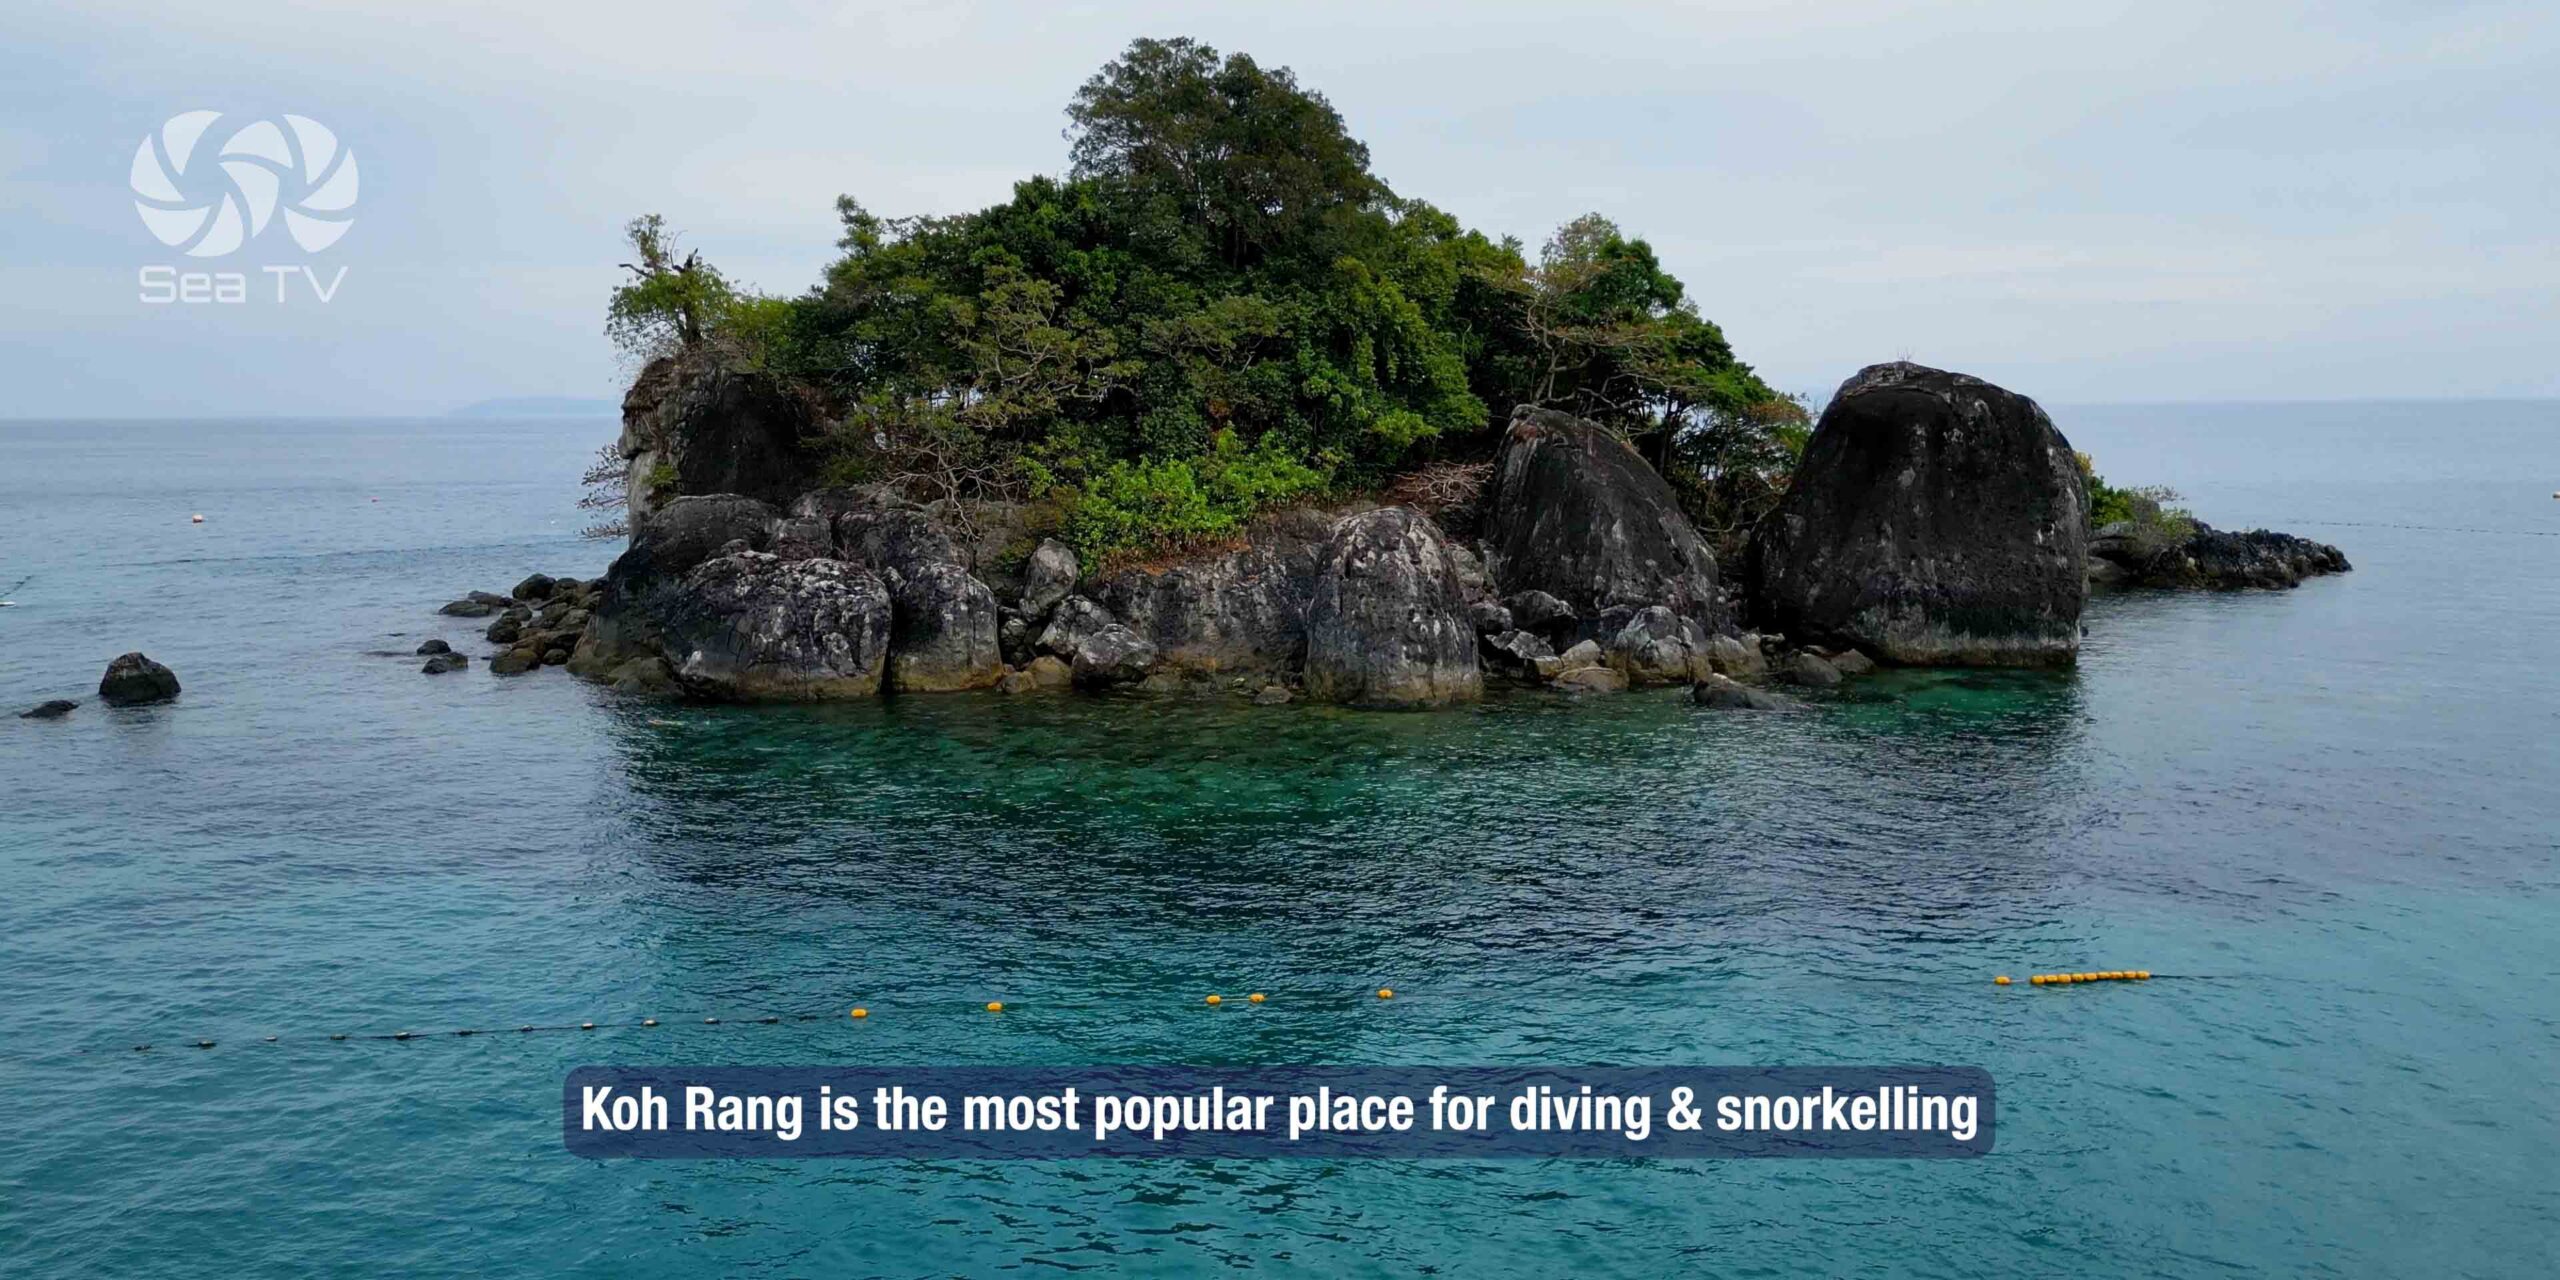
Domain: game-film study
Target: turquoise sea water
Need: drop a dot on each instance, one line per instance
(2333, 811)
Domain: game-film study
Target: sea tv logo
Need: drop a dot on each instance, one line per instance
(209, 192)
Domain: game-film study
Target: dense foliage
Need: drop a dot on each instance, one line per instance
(2152, 512)
(1219, 309)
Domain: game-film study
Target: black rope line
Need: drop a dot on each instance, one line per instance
(2426, 528)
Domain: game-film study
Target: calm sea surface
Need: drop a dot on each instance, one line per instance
(2335, 812)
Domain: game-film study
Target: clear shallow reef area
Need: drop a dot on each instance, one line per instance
(2328, 815)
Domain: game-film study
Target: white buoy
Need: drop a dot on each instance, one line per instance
(197, 518)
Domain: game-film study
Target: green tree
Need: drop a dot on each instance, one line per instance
(670, 303)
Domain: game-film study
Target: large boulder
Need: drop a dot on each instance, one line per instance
(943, 634)
(1242, 610)
(1575, 513)
(132, 680)
(1387, 624)
(666, 546)
(697, 424)
(754, 627)
(1935, 519)
(1657, 646)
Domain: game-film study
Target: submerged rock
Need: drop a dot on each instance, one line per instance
(468, 608)
(1575, 513)
(514, 662)
(1808, 668)
(1935, 519)
(1274, 695)
(433, 647)
(1050, 672)
(1387, 624)
(751, 626)
(1732, 695)
(133, 679)
(50, 709)
(441, 663)
(1591, 680)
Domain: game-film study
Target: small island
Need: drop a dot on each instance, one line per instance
(1218, 411)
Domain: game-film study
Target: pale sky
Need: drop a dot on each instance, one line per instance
(2086, 201)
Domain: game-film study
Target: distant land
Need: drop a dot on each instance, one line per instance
(539, 407)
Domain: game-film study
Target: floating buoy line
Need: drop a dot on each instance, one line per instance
(862, 1013)
(857, 1013)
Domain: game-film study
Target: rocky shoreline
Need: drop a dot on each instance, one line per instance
(1935, 520)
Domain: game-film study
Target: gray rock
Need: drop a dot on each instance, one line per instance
(1657, 646)
(536, 587)
(50, 709)
(434, 646)
(1387, 623)
(810, 537)
(752, 626)
(1235, 612)
(514, 662)
(714, 426)
(1935, 519)
(1074, 619)
(1515, 653)
(1048, 577)
(1591, 680)
(943, 635)
(1014, 638)
(1051, 672)
(444, 662)
(468, 608)
(1273, 695)
(132, 680)
(1113, 655)
(1736, 656)
(1729, 695)
(2210, 558)
(1018, 682)
(1573, 512)
(1850, 662)
(1540, 612)
(643, 675)
(1807, 668)
(1490, 618)
(1473, 583)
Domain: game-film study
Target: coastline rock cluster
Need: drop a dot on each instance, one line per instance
(1935, 519)
(2210, 558)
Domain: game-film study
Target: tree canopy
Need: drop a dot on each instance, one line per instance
(1217, 309)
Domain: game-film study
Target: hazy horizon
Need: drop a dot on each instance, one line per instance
(2174, 203)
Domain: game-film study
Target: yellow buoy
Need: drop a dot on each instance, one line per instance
(1386, 993)
(1256, 997)
(859, 1012)
(995, 1006)
(2037, 979)
(1214, 1000)
(2002, 980)
(2142, 974)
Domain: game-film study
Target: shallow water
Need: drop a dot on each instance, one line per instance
(2330, 811)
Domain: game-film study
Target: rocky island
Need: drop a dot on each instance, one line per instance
(1219, 412)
